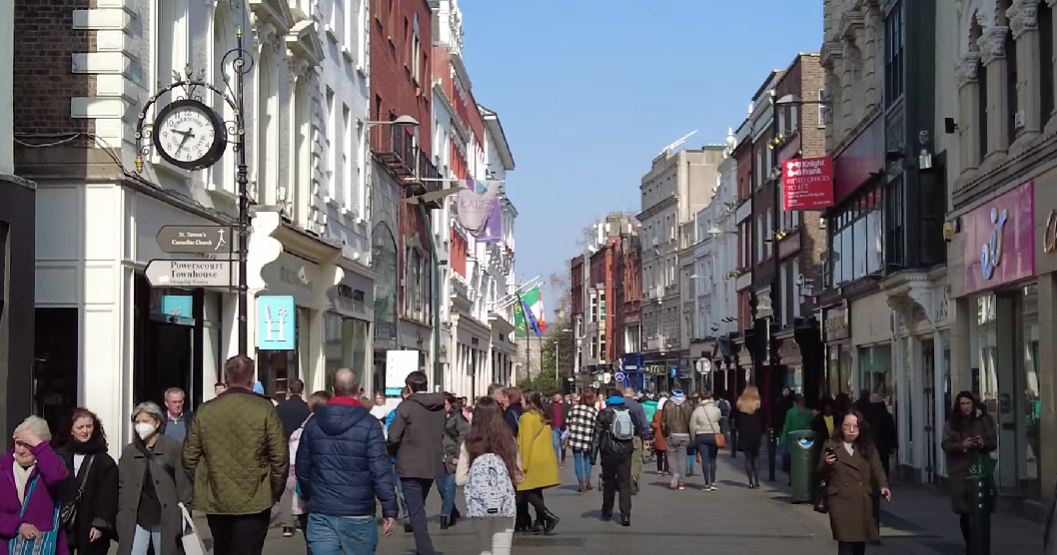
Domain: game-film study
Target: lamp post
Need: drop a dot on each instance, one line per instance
(776, 291)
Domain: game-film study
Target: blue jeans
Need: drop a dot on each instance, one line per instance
(582, 464)
(706, 445)
(143, 539)
(556, 439)
(334, 535)
(446, 487)
(691, 455)
(403, 500)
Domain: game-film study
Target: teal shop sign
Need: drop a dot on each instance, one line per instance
(276, 323)
(177, 309)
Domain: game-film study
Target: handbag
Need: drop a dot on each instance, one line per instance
(47, 544)
(721, 441)
(189, 537)
(821, 501)
(68, 509)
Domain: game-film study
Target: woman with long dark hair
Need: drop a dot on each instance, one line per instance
(90, 491)
(852, 469)
(969, 432)
(539, 461)
(488, 436)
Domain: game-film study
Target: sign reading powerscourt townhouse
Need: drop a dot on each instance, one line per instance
(189, 273)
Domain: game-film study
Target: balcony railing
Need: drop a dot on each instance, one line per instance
(426, 181)
(395, 147)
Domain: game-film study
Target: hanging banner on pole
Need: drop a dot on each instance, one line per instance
(493, 229)
(474, 209)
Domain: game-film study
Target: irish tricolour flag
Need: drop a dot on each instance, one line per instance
(529, 313)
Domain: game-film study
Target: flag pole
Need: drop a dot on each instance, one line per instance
(528, 340)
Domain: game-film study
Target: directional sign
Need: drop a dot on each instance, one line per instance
(619, 377)
(189, 273)
(203, 239)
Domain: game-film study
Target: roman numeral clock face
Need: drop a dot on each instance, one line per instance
(189, 135)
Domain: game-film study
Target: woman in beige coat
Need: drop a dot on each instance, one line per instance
(969, 431)
(852, 470)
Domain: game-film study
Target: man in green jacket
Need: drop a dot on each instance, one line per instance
(238, 459)
(797, 419)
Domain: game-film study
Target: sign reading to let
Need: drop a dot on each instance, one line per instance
(807, 183)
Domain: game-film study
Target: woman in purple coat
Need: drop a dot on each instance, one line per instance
(31, 477)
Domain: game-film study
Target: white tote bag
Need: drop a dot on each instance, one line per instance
(191, 539)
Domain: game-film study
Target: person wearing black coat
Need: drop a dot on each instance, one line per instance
(514, 410)
(294, 410)
(85, 454)
(616, 455)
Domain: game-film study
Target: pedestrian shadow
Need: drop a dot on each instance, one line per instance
(596, 514)
(733, 484)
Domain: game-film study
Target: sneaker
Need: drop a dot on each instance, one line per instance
(682, 486)
(706, 489)
(288, 532)
(713, 488)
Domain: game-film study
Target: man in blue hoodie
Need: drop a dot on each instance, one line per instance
(342, 467)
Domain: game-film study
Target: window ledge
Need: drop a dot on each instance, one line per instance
(347, 54)
(331, 33)
(360, 69)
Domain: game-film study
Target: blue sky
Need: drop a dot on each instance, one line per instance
(589, 91)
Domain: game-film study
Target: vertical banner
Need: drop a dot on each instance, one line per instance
(493, 228)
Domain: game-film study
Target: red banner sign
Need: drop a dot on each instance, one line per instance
(807, 183)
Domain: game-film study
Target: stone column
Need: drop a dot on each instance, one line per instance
(1047, 383)
(872, 55)
(993, 50)
(849, 58)
(967, 76)
(1052, 125)
(1023, 21)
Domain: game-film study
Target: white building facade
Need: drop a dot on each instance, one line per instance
(477, 340)
(98, 217)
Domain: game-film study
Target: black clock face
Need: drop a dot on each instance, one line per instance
(189, 135)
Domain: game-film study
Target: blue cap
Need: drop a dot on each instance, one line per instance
(258, 388)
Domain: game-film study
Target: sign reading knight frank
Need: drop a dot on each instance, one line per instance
(807, 183)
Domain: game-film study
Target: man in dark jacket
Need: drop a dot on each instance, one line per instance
(616, 454)
(645, 427)
(177, 418)
(416, 436)
(342, 466)
(294, 410)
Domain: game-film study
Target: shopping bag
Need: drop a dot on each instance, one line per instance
(191, 539)
(982, 464)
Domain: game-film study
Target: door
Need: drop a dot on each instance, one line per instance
(928, 366)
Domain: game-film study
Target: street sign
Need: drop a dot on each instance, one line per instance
(277, 323)
(189, 273)
(201, 239)
(619, 377)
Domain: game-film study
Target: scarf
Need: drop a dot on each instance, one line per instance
(22, 474)
(95, 445)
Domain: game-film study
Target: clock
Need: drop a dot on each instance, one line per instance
(189, 135)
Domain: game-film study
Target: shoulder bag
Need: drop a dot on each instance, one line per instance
(46, 544)
(68, 509)
(821, 502)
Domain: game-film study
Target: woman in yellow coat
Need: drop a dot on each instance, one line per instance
(537, 458)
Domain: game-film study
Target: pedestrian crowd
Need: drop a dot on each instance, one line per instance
(336, 462)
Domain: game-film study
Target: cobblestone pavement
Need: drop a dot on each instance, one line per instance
(729, 521)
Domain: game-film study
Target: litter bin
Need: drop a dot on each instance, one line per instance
(803, 459)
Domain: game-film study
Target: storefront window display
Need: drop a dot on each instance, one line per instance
(875, 367)
(985, 373)
(345, 347)
(839, 370)
(1028, 332)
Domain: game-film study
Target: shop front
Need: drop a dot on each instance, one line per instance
(347, 328)
(1001, 301)
(921, 359)
(302, 279)
(504, 353)
(836, 334)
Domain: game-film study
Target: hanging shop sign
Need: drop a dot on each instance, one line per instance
(189, 273)
(807, 183)
(836, 325)
(197, 239)
(277, 323)
(1000, 240)
(1049, 237)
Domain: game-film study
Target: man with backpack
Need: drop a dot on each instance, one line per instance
(614, 441)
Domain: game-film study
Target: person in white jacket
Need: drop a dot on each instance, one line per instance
(705, 426)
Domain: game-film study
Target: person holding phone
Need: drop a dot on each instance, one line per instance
(968, 431)
(852, 469)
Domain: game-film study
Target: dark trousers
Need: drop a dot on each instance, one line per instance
(239, 534)
(415, 491)
(885, 457)
(616, 476)
(662, 461)
(851, 548)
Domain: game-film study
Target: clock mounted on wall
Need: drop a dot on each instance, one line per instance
(189, 135)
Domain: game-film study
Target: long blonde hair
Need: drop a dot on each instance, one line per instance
(749, 402)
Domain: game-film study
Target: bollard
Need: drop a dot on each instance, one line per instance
(981, 503)
(772, 449)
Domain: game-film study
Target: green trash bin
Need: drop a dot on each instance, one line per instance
(803, 457)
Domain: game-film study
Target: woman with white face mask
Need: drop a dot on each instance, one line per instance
(153, 484)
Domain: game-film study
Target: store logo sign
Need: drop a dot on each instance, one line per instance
(991, 252)
(277, 323)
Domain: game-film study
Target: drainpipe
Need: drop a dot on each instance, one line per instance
(435, 294)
